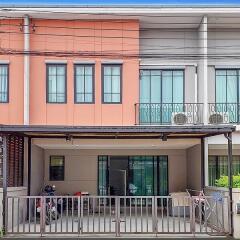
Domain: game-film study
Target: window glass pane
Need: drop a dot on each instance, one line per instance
(60, 84)
(56, 83)
(56, 168)
(107, 97)
(88, 84)
(115, 97)
(167, 86)
(84, 84)
(212, 170)
(145, 87)
(107, 84)
(221, 89)
(221, 72)
(102, 176)
(88, 97)
(60, 71)
(116, 71)
(231, 89)
(57, 161)
(80, 84)
(107, 71)
(112, 84)
(155, 89)
(115, 84)
(88, 71)
(3, 83)
(52, 70)
(178, 87)
(79, 70)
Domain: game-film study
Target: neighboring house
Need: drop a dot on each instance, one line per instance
(120, 101)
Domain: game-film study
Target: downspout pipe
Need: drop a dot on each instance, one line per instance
(228, 136)
(26, 31)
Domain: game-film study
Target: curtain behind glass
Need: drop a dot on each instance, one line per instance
(112, 84)
(84, 84)
(56, 84)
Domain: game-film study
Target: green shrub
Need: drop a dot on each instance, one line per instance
(223, 181)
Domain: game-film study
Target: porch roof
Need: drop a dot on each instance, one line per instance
(50, 131)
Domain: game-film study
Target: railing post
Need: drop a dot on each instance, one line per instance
(154, 217)
(117, 216)
(42, 215)
(192, 216)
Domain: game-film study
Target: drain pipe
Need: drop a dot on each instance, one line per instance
(26, 68)
(228, 136)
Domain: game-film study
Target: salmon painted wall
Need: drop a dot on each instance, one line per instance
(95, 37)
(12, 38)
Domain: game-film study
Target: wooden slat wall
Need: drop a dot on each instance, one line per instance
(15, 151)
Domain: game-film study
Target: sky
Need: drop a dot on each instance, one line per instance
(196, 2)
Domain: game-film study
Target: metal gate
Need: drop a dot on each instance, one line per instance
(117, 215)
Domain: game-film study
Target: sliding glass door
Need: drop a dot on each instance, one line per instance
(161, 92)
(145, 175)
(227, 97)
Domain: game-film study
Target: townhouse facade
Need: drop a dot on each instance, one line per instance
(119, 101)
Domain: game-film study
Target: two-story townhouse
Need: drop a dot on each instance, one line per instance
(130, 105)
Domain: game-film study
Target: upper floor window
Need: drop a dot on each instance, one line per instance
(161, 86)
(84, 83)
(56, 83)
(161, 94)
(227, 86)
(227, 93)
(111, 85)
(4, 83)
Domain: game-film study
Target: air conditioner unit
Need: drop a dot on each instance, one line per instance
(179, 118)
(219, 118)
(183, 118)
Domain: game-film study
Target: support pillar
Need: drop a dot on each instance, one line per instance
(230, 178)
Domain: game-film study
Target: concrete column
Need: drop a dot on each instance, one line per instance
(26, 69)
(206, 174)
(203, 68)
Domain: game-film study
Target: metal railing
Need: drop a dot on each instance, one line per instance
(224, 113)
(117, 215)
(163, 113)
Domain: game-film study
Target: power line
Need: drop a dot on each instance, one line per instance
(120, 29)
(116, 37)
(114, 55)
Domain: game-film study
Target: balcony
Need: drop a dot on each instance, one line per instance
(168, 113)
(224, 113)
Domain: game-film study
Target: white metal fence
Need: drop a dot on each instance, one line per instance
(117, 215)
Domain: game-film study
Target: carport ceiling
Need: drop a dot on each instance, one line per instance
(115, 143)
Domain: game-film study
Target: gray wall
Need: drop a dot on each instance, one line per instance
(81, 168)
(37, 174)
(194, 167)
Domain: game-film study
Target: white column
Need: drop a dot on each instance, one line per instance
(206, 162)
(203, 68)
(196, 85)
(26, 69)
